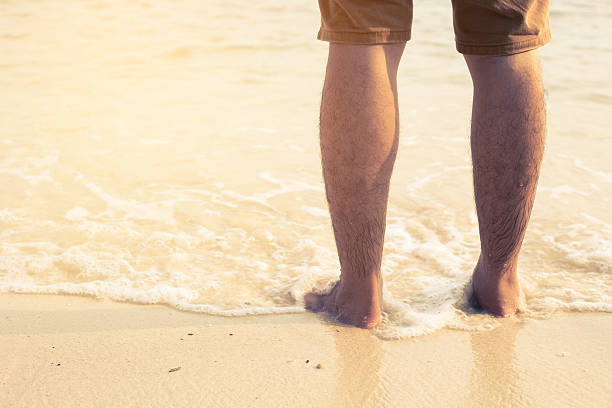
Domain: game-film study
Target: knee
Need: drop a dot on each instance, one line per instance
(364, 62)
(500, 67)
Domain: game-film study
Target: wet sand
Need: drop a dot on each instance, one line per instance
(77, 351)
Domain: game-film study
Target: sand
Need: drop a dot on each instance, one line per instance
(61, 351)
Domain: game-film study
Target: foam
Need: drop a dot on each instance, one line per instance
(425, 267)
(76, 214)
(558, 191)
(158, 211)
(12, 215)
(231, 271)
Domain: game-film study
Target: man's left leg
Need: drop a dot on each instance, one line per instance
(359, 139)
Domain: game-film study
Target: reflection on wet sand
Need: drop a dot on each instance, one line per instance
(361, 383)
(495, 379)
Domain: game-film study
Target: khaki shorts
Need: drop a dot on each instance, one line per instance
(482, 27)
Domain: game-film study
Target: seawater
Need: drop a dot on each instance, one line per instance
(167, 152)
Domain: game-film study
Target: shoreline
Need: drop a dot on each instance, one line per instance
(80, 351)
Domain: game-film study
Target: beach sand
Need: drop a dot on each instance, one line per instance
(61, 351)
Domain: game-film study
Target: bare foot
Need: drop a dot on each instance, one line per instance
(497, 292)
(356, 302)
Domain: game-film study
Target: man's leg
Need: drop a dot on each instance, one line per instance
(508, 131)
(359, 139)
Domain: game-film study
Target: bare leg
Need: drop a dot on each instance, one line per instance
(508, 131)
(359, 139)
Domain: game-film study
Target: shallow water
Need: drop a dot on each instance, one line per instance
(167, 152)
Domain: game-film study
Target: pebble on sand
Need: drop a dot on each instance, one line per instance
(174, 369)
(319, 366)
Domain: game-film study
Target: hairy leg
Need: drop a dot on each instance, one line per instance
(507, 141)
(359, 139)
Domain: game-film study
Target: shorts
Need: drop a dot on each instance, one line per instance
(482, 27)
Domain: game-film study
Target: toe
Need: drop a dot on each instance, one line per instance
(314, 302)
(319, 303)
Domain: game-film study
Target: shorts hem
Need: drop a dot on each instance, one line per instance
(509, 48)
(370, 37)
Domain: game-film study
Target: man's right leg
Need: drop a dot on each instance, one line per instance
(359, 139)
(508, 130)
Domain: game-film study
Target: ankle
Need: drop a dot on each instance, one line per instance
(498, 268)
(368, 287)
(496, 287)
(372, 279)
